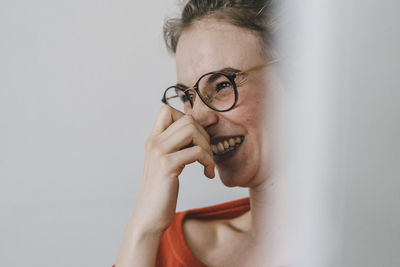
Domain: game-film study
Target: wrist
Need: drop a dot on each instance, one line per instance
(142, 229)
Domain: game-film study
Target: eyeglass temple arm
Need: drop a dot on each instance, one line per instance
(257, 67)
(240, 72)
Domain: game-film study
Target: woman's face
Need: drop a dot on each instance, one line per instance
(210, 45)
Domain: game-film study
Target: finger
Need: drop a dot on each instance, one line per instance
(182, 138)
(182, 122)
(199, 127)
(165, 118)
(192, 154)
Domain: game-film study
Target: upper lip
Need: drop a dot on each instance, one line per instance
(215, 139)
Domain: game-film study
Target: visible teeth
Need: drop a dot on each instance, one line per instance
(220, 147)
(232, 142)
(226, 144)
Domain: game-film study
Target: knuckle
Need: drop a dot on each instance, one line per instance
(165, 108)
(198, 150)
(188, 118)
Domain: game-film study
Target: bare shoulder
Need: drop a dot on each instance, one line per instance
(201, 235)
(212, 240)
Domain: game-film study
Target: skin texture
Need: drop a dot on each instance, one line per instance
(179, 139)
(208, 46)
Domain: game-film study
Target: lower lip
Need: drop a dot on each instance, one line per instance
(227, 155)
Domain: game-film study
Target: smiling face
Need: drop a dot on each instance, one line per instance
(210, 45)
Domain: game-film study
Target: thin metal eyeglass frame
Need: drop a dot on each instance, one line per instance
(231, 78)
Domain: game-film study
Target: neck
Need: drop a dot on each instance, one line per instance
(263, 204)
(268, 220)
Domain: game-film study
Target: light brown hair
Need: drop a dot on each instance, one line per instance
(254, 15)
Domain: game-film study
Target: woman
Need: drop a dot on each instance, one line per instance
(221, 126)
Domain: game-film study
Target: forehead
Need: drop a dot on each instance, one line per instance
(209, 45)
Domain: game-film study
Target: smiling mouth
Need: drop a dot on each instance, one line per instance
(226, 145)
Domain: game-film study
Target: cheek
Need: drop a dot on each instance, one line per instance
(251, 106)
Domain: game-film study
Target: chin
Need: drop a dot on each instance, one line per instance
(231, 178)
(230, 182)
(241, 167)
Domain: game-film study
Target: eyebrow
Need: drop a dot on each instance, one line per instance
(227, 70)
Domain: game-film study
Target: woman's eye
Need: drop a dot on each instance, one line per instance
(184, 98)
(222, 85)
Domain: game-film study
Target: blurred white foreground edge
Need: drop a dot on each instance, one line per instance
(338, 148)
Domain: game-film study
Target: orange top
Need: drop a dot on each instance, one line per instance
(173, 250)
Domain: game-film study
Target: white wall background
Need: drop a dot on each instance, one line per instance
(80, 87)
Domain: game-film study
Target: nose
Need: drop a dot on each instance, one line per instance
(203, 114)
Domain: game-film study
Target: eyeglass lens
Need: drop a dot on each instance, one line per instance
(215, 89)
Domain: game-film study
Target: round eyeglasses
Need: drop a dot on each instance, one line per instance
(217, 90)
